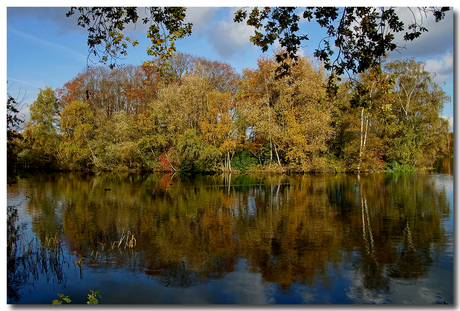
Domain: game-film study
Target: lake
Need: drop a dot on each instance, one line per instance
(383, 238)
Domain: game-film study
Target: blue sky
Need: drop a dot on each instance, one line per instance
(46, 49)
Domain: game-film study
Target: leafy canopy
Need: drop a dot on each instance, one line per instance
(357, 37)
(105, 27)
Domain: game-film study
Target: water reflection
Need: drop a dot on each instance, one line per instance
(290, 230)
(445, 165)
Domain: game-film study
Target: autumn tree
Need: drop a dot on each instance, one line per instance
(221, 75)
(358, 48)
(417, 130)
(180, 110)
(449, 147)
(218, 127)
(127, 89)
(42, 133)
(361, 36)
(154, 141)
(364, 109)
(115, 141)
(195, 108)
(200, 115)
(257, 104)
(150, 108)
(105, 27)
(78, 130)
(307, 116)
(290, 116)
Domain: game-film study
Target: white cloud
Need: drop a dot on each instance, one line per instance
(437, 40)
(229, 38)
(451, 122)
(359, 293)
(247, 288)
(200, 17)
(302, 52)
(443, 67)
(307, 297)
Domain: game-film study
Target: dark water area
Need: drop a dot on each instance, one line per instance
(383, 238)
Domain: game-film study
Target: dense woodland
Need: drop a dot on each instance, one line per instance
(201, 115)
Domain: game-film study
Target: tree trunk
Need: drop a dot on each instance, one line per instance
(277, 156)
(229, 162)
(361, 140)
(170, 164)
(271, 151)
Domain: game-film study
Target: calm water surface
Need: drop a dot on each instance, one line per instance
(247, 239)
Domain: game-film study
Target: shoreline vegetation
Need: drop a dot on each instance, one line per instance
(252, 170)
(198, 115)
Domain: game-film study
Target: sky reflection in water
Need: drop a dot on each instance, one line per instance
(246, 239)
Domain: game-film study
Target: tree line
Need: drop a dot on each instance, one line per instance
(195, 114)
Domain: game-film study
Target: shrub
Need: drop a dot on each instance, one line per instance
(242, 161)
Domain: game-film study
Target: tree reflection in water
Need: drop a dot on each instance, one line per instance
(30, 259)
(290, 229)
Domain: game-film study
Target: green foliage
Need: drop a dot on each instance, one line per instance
(105, 27)
(266, 157)
(62, 298)
(394, 116)
(416, 131)
(44, 112)
(193, 153)
(243, 160)
(92, 298)
(363, 35)
(395, 167)
(360, 47)
(77, 125)
(202, 118)
(42, 132)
